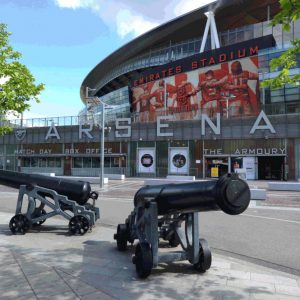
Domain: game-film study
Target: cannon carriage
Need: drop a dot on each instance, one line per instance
(171, 212)
(47, 197)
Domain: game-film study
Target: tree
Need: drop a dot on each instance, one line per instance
(290, 11)
(17, 85)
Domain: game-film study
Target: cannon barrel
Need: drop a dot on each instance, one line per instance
(229, 193)
(78, 191)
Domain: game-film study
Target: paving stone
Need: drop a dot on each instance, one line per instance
(30, 268)
(230, 273)
(13, 273)
(251, 285)
(288, 290)
(48, 277)
(64, 296)
(12, 281)
(220, 264)
(80, 287)
(273, 279)
(51, 290)
(97, 296)
(272, 297)
(223, 292)
(19, 291)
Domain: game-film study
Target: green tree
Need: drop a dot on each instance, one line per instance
(17, 85)
(290, 11)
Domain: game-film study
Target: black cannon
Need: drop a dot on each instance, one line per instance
(67, 198)
(170, 212)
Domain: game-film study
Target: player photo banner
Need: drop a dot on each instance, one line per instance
(231, 89)
(146, 160)
(222, 81)
(178, 161)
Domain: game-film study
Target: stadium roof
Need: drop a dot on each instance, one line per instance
(229, 14)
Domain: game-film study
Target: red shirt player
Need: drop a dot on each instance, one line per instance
(211, 93)
(144, 100)
(180, 94)
(159, 95)
(237, 86)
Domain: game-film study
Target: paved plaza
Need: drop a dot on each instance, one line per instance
(48, 263)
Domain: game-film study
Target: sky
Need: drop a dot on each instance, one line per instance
(61, 41)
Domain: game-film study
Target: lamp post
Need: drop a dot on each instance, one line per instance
(95, 101)
(102, 139)
(102, 146)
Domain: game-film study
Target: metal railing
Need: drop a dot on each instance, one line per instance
(269, 109)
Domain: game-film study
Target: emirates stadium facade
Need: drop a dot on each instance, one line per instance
(181, 99)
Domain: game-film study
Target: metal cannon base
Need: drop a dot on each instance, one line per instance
(81, 217)
(144, 224)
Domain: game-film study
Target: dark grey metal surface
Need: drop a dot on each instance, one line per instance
(229, 193)
(77, 191)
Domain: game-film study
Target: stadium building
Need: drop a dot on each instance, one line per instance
(181, 99)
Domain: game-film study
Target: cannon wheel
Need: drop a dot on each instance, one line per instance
(121, 237)
(174, 240)
(19, 224)
(79, 225)
(204, 257)
(40, 213)
(143, 259)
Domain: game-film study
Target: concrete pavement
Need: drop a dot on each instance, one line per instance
(48, 263)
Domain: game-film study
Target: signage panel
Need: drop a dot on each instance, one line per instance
(249, 166)
(221, 81)
(179, 160)
(146, 160)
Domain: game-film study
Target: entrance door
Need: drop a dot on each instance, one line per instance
(216, 167)
(67, 166)
(271, 168)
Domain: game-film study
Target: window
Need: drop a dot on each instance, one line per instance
(87, 161)
(95, 162)
(77, 162)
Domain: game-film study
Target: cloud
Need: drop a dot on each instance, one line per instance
(127, 23)
(74, 3)
(134, 17)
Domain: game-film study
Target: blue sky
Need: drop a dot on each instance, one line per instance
(62, 40)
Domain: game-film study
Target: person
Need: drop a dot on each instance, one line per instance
(238, 91)
(180, 96)
(211, 93)
(157, 100)
(236, 165)
(144, 104)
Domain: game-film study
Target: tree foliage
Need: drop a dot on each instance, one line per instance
(290, 12)
(17, 85)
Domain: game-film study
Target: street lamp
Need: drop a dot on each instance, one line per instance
(95, 101)
(103, 105)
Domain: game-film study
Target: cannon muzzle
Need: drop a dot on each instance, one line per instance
(229, 193)
(78, 191)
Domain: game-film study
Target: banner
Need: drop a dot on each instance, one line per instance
(249, 165)
(230, 88)
(146, 160)
(178, 160)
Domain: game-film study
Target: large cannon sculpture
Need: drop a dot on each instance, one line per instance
(67, 198)
(170, 212)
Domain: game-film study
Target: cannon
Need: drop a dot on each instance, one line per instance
(171, 212)
(67, 198)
